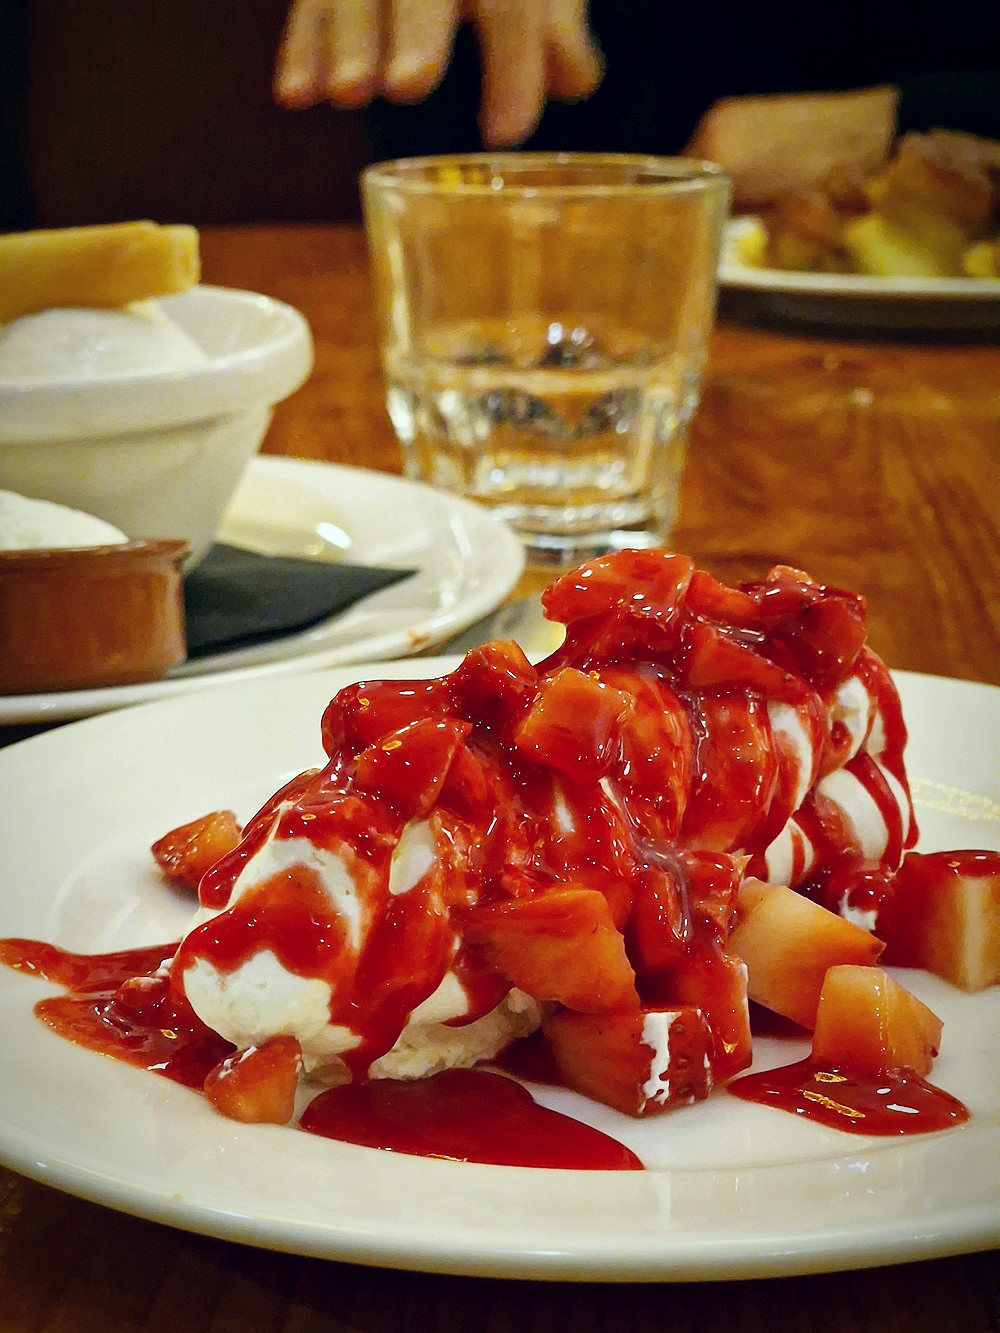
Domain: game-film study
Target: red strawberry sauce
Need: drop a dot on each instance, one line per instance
(638, 761)
(881, 1104)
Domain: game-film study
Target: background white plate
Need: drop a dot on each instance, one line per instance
(956, 304)
(732, 1189)
(466, 562)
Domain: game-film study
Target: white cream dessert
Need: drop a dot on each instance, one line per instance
(261, 996)
(30, 524)
(78, 343)
(467, 833)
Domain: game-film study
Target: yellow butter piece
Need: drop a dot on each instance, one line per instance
(982, 260)
(885, 249)
(107, 265)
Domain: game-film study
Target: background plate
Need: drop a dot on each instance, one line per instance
(466, 563)
(731, 1190)
(960, 305)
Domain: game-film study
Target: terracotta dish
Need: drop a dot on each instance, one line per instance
(79, 618)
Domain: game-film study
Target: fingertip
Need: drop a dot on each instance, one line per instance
(508, 127)
(350, 85)
(409, 80)
(574, 76)
(294, 93)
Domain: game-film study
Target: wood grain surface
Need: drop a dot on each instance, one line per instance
(872, 464)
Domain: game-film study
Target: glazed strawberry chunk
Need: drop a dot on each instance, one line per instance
(186, 853)
(258, 1086)
(942, 913)
(641, 1062)
(558, 945)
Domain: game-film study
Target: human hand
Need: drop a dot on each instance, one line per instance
(348, 51)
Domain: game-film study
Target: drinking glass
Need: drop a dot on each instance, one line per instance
(543, 323)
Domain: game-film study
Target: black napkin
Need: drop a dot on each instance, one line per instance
(235, 598)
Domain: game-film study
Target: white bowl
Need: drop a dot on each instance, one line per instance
(159, 453)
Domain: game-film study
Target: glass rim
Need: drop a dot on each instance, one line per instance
(660, 174)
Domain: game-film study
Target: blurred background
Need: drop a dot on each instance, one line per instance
(117, 109)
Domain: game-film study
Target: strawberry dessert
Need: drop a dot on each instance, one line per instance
(593, 869)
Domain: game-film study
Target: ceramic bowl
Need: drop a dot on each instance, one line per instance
(158, 453)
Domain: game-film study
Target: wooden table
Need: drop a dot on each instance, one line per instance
(873, 465)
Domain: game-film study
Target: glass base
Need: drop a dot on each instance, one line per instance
(564, 550)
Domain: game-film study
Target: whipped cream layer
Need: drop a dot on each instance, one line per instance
(262, 996)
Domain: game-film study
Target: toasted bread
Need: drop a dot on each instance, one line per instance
(94, 266)
(782, 144)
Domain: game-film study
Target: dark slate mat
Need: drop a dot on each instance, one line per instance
(236, 598)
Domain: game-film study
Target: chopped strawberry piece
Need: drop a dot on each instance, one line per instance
(659, 932)
(788, 943)
(258, 1086)
(573, 724)
(739, 773)
(362, 714)
(716, 658)
(647, 584)
(817, 630)
(620, 603)
(407, 768)
(686, 909)
(558, 944)
(640, 1062)
(943, 914)
(493, 684)
(716, 984)
(868, 1023)
(186, 853)
(654, 773)
(713, 886)
(712, 599)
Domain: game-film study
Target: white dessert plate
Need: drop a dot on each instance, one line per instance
(466, 562)
(940, 304)
(731, 1189)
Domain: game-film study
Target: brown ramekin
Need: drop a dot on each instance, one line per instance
(84, 617)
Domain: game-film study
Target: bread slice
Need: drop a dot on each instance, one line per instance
(776, 145)
(108, 265)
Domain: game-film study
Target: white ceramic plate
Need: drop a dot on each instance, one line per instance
(957, 304)
(731, 1189)
(466, 562)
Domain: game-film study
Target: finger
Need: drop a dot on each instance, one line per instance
(421, 34)
(574, 64)
(512, 42)
(352, 51)
(329, 52)
(299, 62)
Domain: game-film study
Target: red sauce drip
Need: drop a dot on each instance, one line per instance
(121, 1005)
(971, 863)
(882, 1104)
(463, 1115)
(82, 972)
(388, 989)
(292, 910)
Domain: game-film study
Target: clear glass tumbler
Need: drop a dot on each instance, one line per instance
(544, 322)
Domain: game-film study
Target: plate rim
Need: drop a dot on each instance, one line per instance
(700, 1255)
(848, 286)
(302, 655)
